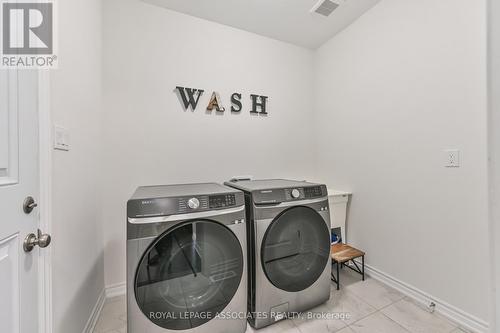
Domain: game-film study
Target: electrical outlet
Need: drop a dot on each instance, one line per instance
(432, 307)
(452, 158)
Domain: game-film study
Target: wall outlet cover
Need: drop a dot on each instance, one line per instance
(452, 158)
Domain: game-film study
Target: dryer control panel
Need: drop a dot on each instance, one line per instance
(313, 192)
(275, 196)
(303, 193)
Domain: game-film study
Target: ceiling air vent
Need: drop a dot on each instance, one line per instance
(324, 7)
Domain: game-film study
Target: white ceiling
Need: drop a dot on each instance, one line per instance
(286, 20)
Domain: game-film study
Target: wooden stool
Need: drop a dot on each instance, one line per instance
(342, 253)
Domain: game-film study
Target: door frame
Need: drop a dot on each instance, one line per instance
(493, 112)
(45, 316)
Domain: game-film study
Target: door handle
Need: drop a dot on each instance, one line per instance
(32, 240)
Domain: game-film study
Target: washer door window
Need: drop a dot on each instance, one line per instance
(189, 274)
(296, 249)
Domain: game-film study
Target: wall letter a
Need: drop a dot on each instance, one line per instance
(215, 103)
(189, 100)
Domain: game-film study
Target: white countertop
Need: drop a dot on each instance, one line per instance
(332, 192)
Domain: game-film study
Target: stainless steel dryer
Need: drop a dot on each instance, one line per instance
(186, 259)
(289, 247)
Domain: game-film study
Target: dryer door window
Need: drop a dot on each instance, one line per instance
(189, 274)
(296, 249)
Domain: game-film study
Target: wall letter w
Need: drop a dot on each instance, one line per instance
(188, 96)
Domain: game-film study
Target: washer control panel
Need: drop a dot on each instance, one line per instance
(190, 199)
(207, 202)
(182, 205)
(294, 193)
(220, 201)
(193, 203)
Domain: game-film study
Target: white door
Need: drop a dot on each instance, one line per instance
(18, 179)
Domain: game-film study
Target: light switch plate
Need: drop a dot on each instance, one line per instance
(452, 158)
(61, 138)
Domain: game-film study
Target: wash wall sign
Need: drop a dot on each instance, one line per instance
(190, 98)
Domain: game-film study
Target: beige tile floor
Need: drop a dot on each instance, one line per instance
(372, 308)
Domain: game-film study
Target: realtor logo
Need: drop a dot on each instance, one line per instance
(27, 34)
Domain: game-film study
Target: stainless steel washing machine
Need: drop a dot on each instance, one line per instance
(186, 259)
(289, 247)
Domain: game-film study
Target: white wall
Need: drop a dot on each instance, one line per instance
(396, 88)
(390, 93)
(494, 156)
(77, 246)
(150, 139)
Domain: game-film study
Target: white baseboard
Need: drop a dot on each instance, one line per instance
(117, 289)
(114, 290)
(94, 315)
(462, 318)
